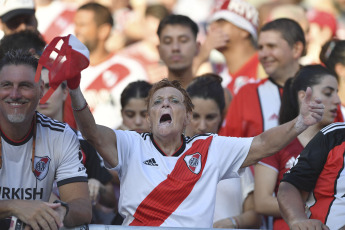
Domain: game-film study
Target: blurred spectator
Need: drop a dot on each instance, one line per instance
(178, 47)
(323, 27)
(145, 51)
(109, 73)
(134, 108)
(16, 15)
(233, 32)
(336, 8)
(265, 8)
(55, 18)
(256, 106)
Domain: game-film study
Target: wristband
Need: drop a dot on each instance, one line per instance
(234, 222)
(64, 204)
(82, 108)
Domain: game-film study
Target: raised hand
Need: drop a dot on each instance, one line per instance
(311, 111)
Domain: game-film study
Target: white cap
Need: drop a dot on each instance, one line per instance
(11, 8)
(238, 12)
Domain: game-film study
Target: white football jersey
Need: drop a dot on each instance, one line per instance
(178, 190)
(57, 157)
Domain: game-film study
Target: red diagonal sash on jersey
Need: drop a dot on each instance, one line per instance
(59, 25)
(170, 193)
(325, 188)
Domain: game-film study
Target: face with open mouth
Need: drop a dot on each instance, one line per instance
(167, 112)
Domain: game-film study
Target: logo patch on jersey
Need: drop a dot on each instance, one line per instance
(151, 162)
(193, 162)
(41, 167)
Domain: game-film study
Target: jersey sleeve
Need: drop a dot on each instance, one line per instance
(310, 162)
(125, 140)
(70, 168)
(230, 153)
(271, 162)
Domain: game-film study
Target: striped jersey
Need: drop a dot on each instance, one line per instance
(57, 156)
(254, 109)
(320, 171)
(178, 190)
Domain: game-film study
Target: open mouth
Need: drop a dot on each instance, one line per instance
(165, 118)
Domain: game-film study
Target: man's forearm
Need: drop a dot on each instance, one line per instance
(83, 116)
(290, 202)
(80, 212)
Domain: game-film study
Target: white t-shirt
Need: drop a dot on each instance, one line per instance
(178, 190)
(57, 156)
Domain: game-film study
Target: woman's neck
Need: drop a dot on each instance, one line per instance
(168, 145)
(308, 134)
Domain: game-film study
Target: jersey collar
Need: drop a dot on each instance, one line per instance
(178, 151)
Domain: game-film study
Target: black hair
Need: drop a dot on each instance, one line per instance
(333, 52)
(19, 57)
(307, 76)
(28, 40)
(208, 86)
(136, 89)
(289, 29)
(176, 19)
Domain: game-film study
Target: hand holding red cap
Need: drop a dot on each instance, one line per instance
(64, 57)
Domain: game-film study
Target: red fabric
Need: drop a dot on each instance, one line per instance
(170, 193)
(63, 63)
(244, 118)
(326, 183)
(249, 70)
(68, 116)
(323, 19)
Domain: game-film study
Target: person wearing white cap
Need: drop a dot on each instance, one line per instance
(17, 15)
(255, 108)
(233, 32)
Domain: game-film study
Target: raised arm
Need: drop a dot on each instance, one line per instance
(102, 138)
(291, 203)
(274, 139)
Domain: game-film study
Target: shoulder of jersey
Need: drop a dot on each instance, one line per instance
(52, 124)
(333, 127)
(198, 136)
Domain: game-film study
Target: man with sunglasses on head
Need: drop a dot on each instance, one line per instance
(17, 15)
